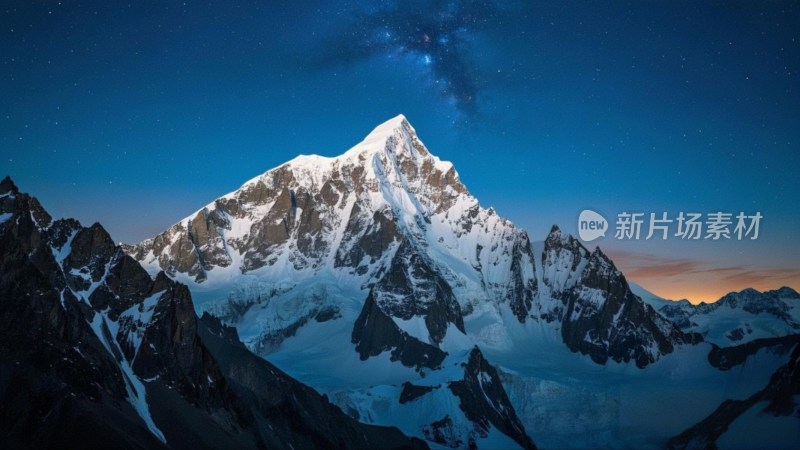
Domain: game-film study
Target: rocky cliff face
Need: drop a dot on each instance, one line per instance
(597, 312)
(60, 385)
(374, 333)
(93, 352)
(484, 400)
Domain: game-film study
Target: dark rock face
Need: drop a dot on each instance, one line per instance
(599, 314)
(92, 248)
(372, 237)
(309, 228)
(412, 392)
(411, 287)
(128, 280)
(171, 350)
(374, 333)
(484, 401)
(521, 292)
(59, 386)
(782, 395)
(561, 259)
(565, 253)
(604, 319)
(481, 398)
(273, 230)
(187, 259)
(443, 433)
(204, 233)
(678, 313)
(95, 354)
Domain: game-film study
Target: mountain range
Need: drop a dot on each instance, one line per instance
(369, 301)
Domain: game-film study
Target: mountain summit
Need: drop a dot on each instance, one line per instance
(389, 218)
(385, 204)
(309, 210)
(384, 243)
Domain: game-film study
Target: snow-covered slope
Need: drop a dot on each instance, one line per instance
(769, 418)
(741, 317)
(590, 301)
(650, 298)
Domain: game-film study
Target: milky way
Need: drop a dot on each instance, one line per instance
(432, 37)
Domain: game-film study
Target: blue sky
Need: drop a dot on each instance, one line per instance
(136, 115)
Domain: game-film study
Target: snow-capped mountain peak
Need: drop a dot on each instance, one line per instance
(382, 260)
(314, 203)
(349, 215)
(385, 218)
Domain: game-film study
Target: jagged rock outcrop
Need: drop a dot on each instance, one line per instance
(412, 288)
(598, 314)
(726, 358)
(292, 408)
(484, 400)
(374, 333)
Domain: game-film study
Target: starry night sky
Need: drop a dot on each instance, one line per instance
(137, 114)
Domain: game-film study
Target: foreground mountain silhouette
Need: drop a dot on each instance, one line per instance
(94, 353)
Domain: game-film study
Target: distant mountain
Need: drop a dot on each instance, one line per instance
(737, 317)
(94, 353)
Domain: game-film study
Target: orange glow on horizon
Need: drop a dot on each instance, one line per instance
(699, 281)
(699, 291)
